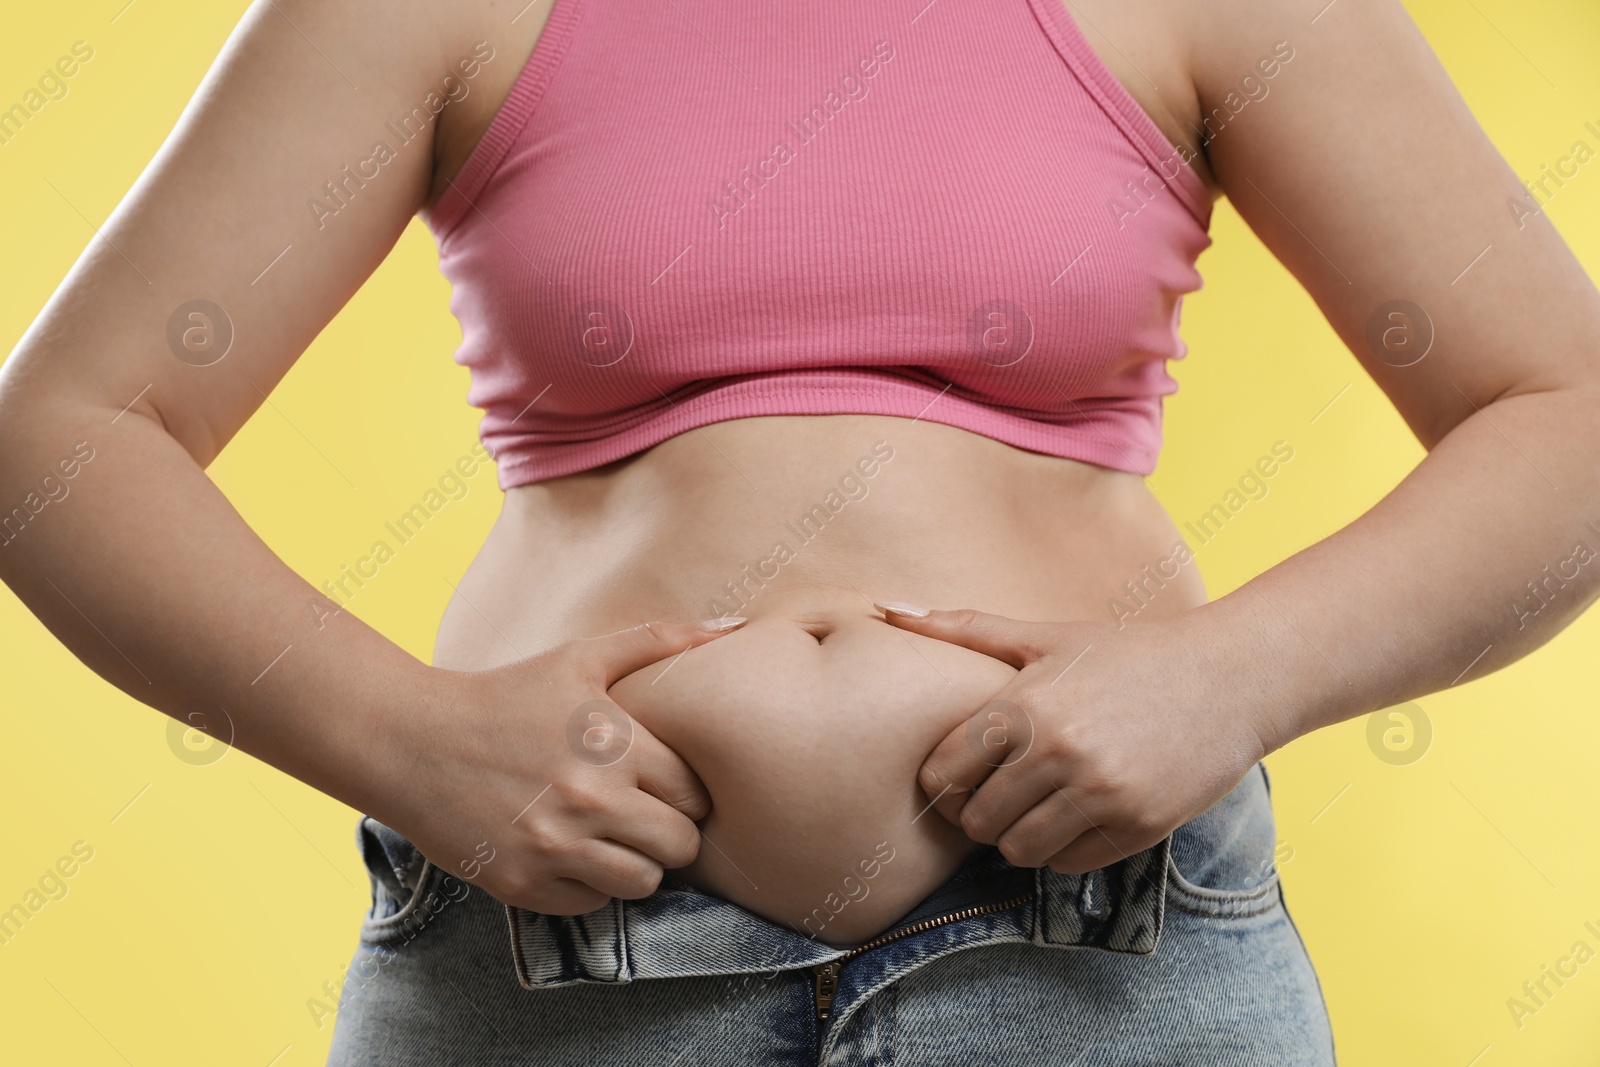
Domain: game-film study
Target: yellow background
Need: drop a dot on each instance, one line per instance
(227, 894)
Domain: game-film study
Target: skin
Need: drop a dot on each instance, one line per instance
(808, 726)
(1155, 722)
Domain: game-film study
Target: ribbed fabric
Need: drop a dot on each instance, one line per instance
(708, 210)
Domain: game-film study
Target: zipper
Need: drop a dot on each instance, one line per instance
(827, 979)
(826, 975)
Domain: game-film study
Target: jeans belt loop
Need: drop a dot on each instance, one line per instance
(1119, 908)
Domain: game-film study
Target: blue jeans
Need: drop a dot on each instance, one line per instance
(1181, 955)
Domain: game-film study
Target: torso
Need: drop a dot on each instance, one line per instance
(808, 725)
(1136, 41)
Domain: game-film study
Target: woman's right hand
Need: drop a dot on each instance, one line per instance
(533, 785)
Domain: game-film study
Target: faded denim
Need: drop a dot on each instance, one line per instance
(1182, 955)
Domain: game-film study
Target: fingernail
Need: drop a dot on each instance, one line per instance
(894, 607)
(722, 623)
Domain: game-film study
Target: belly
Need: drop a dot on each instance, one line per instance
(808, 725)
(810, 752)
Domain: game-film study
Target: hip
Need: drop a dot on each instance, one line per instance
(1181, 954)
(809, 724)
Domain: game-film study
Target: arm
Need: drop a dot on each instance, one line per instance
(144, 570)
(1428, 588)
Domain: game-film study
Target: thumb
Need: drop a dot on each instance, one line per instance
(614, 656)
(665, 775)
(1008, 640)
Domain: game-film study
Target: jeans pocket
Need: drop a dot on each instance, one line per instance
(407, 889)
(1221, 864)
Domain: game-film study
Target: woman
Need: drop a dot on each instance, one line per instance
(791, 321)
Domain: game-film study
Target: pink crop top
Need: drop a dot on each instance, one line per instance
(691, 212)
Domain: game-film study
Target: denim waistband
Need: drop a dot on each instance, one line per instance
(679, 931)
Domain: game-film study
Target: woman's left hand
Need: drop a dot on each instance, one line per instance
(1106, 741)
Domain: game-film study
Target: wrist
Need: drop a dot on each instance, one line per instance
(386, 739)
(1250, 659)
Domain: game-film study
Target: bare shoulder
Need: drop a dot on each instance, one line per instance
(1309, 159)
(1239, 49)
(305, 152)
(452, 62)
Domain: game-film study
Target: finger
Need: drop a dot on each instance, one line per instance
(996, 736)
(615, 870)
(645, 824)
(563, 897)
(614, 656)
(1095, 848)
(1044, 831)
(601, 733)
(1008, 640)
(662, 773)
(1008, 794)
(948, 776)
(1025, 777)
